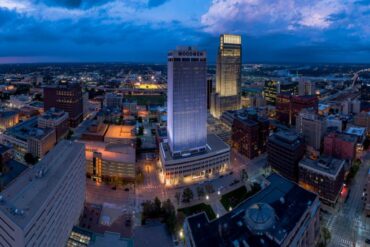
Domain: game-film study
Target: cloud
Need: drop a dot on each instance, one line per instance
(278, 15)
(156, 3)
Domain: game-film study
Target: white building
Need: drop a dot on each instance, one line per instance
(306, 87)
(40, 207)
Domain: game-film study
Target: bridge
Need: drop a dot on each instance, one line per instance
(356, 75)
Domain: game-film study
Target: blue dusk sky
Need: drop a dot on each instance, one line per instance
(274, 31)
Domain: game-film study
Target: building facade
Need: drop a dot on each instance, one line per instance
(41, 206)
(249, 135)
(289, 106)
(187, 100)
(66, 97)
(312, 127)
(55, 119)
(227, 95)
(306, 88)
(341, 146)
(284, 151)
(324, 176)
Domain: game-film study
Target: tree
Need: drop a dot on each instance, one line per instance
(139, 178)
(157, 204)
(209, 188)
(187, 195)
(30, 159)
(140, 119)
(178, 197)
(244, 175)
(325, 233)
(69, 135)
(200, 192)
(138, 143)
(140, 131)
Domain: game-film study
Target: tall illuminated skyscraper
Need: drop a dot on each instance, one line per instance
(187, 101)
(228, 75)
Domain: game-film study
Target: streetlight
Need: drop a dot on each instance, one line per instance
(218, 192)
(207, 197)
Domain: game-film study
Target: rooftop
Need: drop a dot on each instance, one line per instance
(120, 132)
(325, 164)
(54, 113)
(24, 197)
(28, 129)
(282, 204)
(288, 139)
(357, 131)
(214, 146)
(112, 152)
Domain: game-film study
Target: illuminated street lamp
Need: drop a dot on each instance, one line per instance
(207, 197)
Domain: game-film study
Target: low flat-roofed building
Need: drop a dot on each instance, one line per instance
(95, 131)
(107, 162)
(189, 167)
(27, 137)
(324, 176)
(123, 134)
(281, 214)
(358, 132)
(40, 207)
(55, 119)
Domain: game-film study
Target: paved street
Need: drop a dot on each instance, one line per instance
(349, 226)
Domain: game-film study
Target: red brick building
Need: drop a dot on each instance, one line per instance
(66, 97)
(341, 146)
(288, 106)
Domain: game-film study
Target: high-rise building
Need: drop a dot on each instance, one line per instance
(187, 100)
(288, 106)
(284, 151)
(209, 92)
(113, 100)
(66, 97)
(189, 153)
(273, 88)
(249, 135)
(367, 202)
(41, 206)
(312, 126)
(228, 75)
(324, 176)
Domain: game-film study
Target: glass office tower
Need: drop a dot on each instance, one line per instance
(187, 101)
(228, 75)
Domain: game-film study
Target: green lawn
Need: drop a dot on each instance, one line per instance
(199, 208)
(233, 198)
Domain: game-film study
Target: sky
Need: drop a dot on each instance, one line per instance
(273, 31)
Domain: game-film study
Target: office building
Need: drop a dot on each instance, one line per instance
(110, 162)
(55, 119)
(306, 87)
(288, 107)
(249, 135)
(27, 137)
(113, 100)
(339, 145)
(8, 118)
(187, 100)
(363, 119)
(284, 151)
(273, 88)
(41, 206)
(281, 214)
(66, 97)
(227, 95)
(209, 92)
(324, 176)
(312, 127)
(189, 154)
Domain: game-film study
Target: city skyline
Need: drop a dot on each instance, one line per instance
(143, 31)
